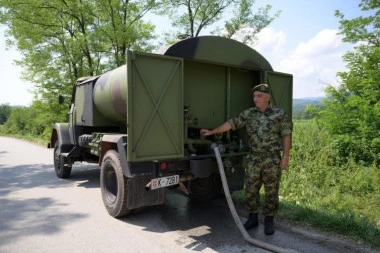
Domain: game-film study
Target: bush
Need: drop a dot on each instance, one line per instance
(34, 121)
(320, 181)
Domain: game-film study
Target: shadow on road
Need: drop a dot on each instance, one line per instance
(86, 175)
(21, 214)
(209, 224)
(43, 175)
(28, 176)
(22, 218)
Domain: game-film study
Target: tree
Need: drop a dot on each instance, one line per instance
(5, 111)
(19, 121)
(352, 113)
(244, 25)
(191, 17)
(62, 40)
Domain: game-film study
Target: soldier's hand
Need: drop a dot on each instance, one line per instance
(284, 162)
(205, 132)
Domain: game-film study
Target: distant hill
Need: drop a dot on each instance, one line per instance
(299, 102)
(307, 99)
(299, 105)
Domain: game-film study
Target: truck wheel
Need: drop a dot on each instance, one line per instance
(205, 188)
(61, 170)
(113, 185)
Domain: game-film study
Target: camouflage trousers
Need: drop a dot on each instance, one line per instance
(262, 170)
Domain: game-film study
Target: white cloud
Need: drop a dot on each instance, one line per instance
(324, 42)
(270, 40)
(313, 63)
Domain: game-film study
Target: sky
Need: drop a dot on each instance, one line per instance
(302, 41)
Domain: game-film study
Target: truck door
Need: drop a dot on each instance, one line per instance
(155, 107)
(282, 90)
(71, 117)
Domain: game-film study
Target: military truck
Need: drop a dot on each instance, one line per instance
(141, 122)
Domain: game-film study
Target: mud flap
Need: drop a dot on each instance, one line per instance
(201, 168)
(139, 197)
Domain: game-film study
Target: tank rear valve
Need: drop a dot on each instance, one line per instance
(221, 148)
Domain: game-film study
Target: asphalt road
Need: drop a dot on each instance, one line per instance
(42, 213)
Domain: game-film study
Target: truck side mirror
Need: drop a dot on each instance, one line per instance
(61, 99)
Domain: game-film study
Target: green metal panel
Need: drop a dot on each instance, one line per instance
(215, 93)
(79, 104)
(205, 93)
(282, 90)
(220, 50)
(242, 81)
(155, 107)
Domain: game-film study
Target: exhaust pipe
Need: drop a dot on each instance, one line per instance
(148, 186)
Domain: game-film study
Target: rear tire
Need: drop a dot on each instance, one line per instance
(113, 185)
(61, 170)
(205, 188)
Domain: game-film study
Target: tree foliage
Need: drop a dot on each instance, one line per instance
(352, 112)
(192, 17)
(33, 121)
(63, 40)
(244, 25)
(5, 111)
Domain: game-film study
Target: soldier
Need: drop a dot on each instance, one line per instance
(268, 134)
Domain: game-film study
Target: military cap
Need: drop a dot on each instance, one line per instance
(262, 87)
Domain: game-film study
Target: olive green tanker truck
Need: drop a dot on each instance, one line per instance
(141, 122)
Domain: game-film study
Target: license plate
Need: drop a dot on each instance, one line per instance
(164, 181)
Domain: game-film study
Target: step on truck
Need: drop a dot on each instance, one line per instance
(141, 121)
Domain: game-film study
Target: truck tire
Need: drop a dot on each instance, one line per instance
(61, 170)
(205, 188)
(113, 185)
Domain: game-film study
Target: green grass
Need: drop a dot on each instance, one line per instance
(30, 138)
(314, 190)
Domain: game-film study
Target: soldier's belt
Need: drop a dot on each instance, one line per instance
(266, 154)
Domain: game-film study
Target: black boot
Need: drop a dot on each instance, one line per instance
(268, 224)
(252, 222)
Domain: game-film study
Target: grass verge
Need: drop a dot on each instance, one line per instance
(347, 223)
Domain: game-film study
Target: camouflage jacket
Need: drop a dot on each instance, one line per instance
(265, 129)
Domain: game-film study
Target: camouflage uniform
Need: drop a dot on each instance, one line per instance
(265, 131)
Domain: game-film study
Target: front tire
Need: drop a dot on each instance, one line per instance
(113, 185)
(61, 170)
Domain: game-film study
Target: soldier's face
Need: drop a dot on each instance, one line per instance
(261, 100)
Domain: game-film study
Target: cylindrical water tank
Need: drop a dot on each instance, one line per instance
(110, 94)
